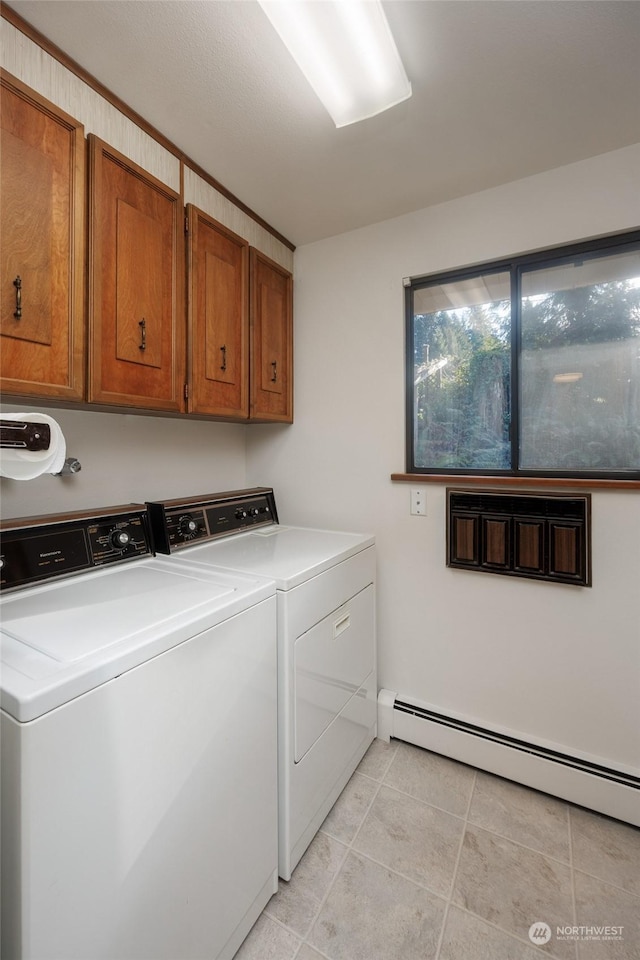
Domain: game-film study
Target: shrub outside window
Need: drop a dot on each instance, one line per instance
(529, 366)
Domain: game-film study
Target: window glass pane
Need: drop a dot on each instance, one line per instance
(461, 379)
(580, 366)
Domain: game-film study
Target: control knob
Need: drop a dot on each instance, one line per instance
(187, 527)
(254, 511)
(120, 539)
(241, 514)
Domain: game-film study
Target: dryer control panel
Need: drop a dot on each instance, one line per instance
(36, 549)
(181, 523)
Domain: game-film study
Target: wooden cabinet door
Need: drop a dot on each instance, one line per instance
(567, 552)
(529, 546)
(136, 315)
(463, 547)
(271, 334)
(43, 244)
(218, 318)
(496, 542)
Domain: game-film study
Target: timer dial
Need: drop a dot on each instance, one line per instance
(187, 527)
(120, 539)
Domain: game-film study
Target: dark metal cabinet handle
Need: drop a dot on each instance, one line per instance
(274, 364)
(18, 285)
(143, 334)
(223, 351)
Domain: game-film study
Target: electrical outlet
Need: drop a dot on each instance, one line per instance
(418, 502)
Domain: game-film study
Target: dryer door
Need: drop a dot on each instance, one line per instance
(331, 661)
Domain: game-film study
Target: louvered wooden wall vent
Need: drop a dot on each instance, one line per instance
(532, 535)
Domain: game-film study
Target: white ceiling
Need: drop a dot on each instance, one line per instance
(501, 89)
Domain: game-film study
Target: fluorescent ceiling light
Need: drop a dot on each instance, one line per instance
(567, 377)
(346, 51)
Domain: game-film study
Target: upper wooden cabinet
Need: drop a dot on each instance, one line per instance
(271, 352)
(42, 206)
(136, 314)
(125, 345)
(218, 313)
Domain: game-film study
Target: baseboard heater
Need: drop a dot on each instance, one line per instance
(578, 780)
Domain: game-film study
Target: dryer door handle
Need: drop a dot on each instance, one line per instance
(340, 625)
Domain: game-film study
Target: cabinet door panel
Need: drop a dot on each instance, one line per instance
(566, 555)
(139, 307)
(271, 323)
(218, 282)
(464, 547)
(529, 546)
(222, 338)
(27, 198)
(42, 250)
(271, 335)
(496, 542)
(137, 325)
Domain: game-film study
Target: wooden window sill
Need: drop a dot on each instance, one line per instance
(465, 480)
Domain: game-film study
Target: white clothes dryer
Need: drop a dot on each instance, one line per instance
(327, 677)
(139, 733)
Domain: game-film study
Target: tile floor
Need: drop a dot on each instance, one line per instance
(423, 858)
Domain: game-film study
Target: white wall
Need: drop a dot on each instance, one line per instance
(557, 662)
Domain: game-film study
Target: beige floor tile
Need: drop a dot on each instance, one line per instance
(376, 760)
(297, 902)
(385, 898)
(432, 778)
(468, 938)
(268, 941)
(308, 953)
(373, 914)
(513, 887)
(520, 814)
(599, 904)
(412, 838)
(349, 810)
(606, 848)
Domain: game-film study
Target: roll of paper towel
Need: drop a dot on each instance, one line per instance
(18, 463)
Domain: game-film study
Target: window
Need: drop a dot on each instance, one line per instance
(529, 366)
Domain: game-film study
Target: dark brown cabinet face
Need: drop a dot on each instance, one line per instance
(42, 250)
(136, 321)
(464, 542)
(529, 545)
(566, 550)
(218, 314)
(530, 535)
(271, 314)
(496, 542)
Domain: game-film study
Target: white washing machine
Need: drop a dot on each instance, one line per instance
(139, 734)
(327, 679)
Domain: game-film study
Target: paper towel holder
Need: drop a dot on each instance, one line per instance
(33, 437)
(70, 467)
(24, 435)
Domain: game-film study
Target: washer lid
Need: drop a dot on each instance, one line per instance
(289, 555)
(62, 639)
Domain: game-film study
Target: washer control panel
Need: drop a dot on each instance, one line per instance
(181, 523)
(37, 549)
